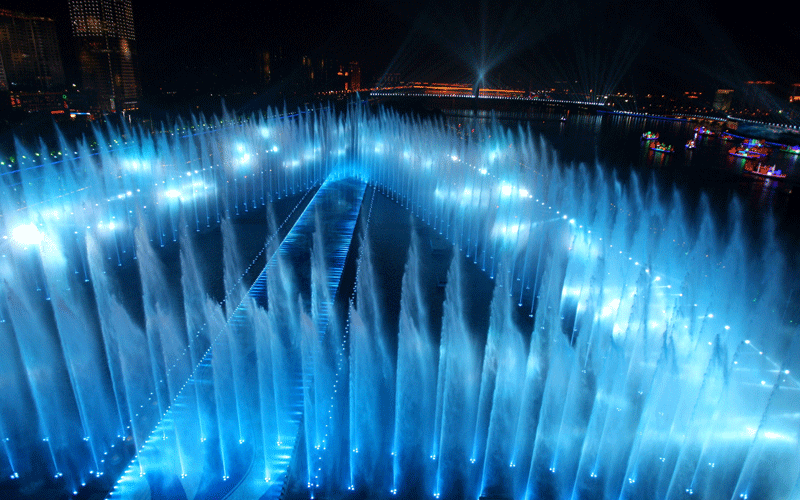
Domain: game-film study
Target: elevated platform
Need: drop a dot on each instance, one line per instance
(232, 430)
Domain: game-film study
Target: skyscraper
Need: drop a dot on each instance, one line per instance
(106, 44)
(29, 55)
(355, 76)
(723, 100)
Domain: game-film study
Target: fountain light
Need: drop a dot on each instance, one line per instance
(27, 234)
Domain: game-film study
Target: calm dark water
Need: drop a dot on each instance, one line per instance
(614, 142)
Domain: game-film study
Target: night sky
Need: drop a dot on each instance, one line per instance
(606, 45)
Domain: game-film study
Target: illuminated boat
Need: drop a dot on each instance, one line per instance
(660, 147)
(691, 144)
(764, 171)
(753, 143)
(649, 136)
(795, 150)
(704, 131)
(745, 153)
(726, 136)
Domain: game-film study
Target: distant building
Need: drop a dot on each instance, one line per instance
(795, 97)
(53, 102)
(265, 68)
(29, 56)
(106, 44)
(723, 100)
(389, 80)
(355, 76)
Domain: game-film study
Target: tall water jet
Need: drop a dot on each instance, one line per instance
(631, 346)
(457, 388)
(415, 381)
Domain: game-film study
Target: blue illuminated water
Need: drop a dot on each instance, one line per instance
(592, 336)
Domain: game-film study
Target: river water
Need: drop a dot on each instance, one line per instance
(614, 142)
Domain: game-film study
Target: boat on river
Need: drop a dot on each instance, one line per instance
(660, 147)
(649, 136)
(704, 131)
(744, 152)
(764, 171)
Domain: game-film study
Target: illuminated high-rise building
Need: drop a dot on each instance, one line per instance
(723, 100)
(29, 55)
(355, 76)
(106, 42)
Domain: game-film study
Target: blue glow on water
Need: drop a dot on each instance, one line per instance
(658, 361)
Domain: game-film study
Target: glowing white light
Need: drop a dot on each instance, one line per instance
(264, 132)
(483, 171)
(506, 190)
(172, 193)
(523, 192)
(274, 149)
(610, 308)
(27, 234)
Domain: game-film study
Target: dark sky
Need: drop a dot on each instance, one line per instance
(607, 45)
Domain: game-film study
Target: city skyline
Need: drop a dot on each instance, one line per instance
(674, 45)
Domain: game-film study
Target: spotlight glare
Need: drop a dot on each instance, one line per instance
(27, 234)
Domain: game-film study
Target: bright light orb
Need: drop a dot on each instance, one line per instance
(27, 234)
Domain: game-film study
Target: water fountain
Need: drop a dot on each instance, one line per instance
(630, 347)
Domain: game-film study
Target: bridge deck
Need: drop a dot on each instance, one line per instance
(232, 430)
